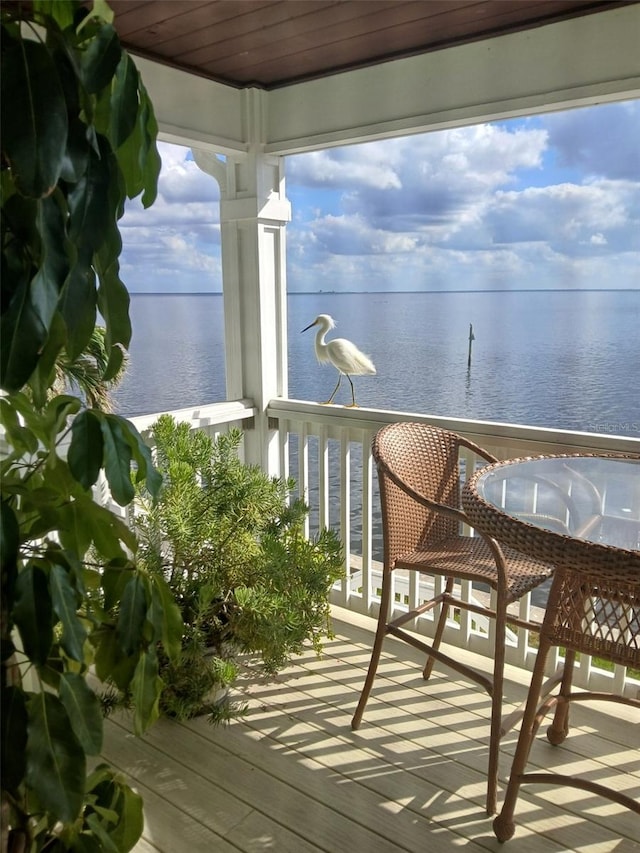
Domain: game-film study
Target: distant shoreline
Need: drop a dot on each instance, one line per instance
(403, 292)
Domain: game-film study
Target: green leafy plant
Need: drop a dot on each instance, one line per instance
(78, 138)
(231, 547)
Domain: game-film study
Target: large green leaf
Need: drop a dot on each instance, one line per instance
(133, 614)
(100, 831)
(78, 303)
(113, 581)
(42, 377)
(14, 737)
(56, 763)
(124, 102)
(118, 807)
(83, 707)
(20, 437)
(54, 264)
(65, 604)
(141, 454)
(22, 336)
(111, 662)
(91, 206)
(117, 461)
(76, 155)
(166, 618)
(85, 451)
(99, 61)
(152, 161)
(9, 545)
(113, 301)
(9, 540)
(109, 531)
(34, 116)
(33, 613)
(129, 829)
(54, 418)
(60, 10)
(131, 157)
(86, 842)
(146, 688)
(138, 155)
(83, 522)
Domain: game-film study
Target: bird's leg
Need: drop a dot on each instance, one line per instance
(352, 404)
(330, 400)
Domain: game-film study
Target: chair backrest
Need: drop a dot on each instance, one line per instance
(425, 458)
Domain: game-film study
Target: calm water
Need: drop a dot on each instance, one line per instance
(560, 359)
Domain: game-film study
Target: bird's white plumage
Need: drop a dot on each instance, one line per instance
(343, 354)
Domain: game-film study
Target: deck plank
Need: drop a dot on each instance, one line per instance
(293, 778)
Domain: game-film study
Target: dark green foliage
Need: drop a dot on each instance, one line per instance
(74, 112)
(62, 614)
(232, 548)
(78, 138)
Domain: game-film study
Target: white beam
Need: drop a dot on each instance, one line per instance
(577, 62)
(194, 111)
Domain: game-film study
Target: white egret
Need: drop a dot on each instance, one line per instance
(341, 353)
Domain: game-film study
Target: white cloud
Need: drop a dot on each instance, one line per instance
(598, 240)
(339, 169)
(175, 244)
(567, 215)
(530, 203)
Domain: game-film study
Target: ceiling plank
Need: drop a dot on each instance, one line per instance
(271, 43)
(375, 38)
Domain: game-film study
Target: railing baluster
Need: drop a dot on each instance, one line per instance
(345, 511)
(323, 477)
(303, 468)
(367, 526)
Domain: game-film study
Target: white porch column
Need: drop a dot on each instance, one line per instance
(253, 216)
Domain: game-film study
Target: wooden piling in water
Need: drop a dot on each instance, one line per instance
(471, 340)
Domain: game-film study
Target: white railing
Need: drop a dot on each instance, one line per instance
(327, 450)
(213, 418)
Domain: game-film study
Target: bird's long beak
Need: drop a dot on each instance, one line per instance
(308, 327)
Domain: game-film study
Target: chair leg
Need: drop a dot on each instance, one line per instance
(442, 622)
(495, 733)
(503, 825)
(381, 632)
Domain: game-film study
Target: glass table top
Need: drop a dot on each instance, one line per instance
(595, 498)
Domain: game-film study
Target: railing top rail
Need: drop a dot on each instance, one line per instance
(211, 414)
(532, 438)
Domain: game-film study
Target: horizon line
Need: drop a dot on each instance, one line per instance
(403, 292)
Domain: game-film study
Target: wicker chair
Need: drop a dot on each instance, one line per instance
(594, 609)
(418, 469)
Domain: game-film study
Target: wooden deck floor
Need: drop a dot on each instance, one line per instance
(293, 778)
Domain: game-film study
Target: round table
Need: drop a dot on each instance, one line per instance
(580, 510)
(580, 513)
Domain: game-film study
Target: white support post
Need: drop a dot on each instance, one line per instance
(253, 216)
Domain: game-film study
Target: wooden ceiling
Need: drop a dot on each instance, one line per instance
(273, 43)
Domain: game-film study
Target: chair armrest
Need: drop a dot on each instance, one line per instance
(444, 509)
(479, 451)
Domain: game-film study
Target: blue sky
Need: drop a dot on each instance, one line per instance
(551, 201)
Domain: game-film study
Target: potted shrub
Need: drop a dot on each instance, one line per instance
(231, 546)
